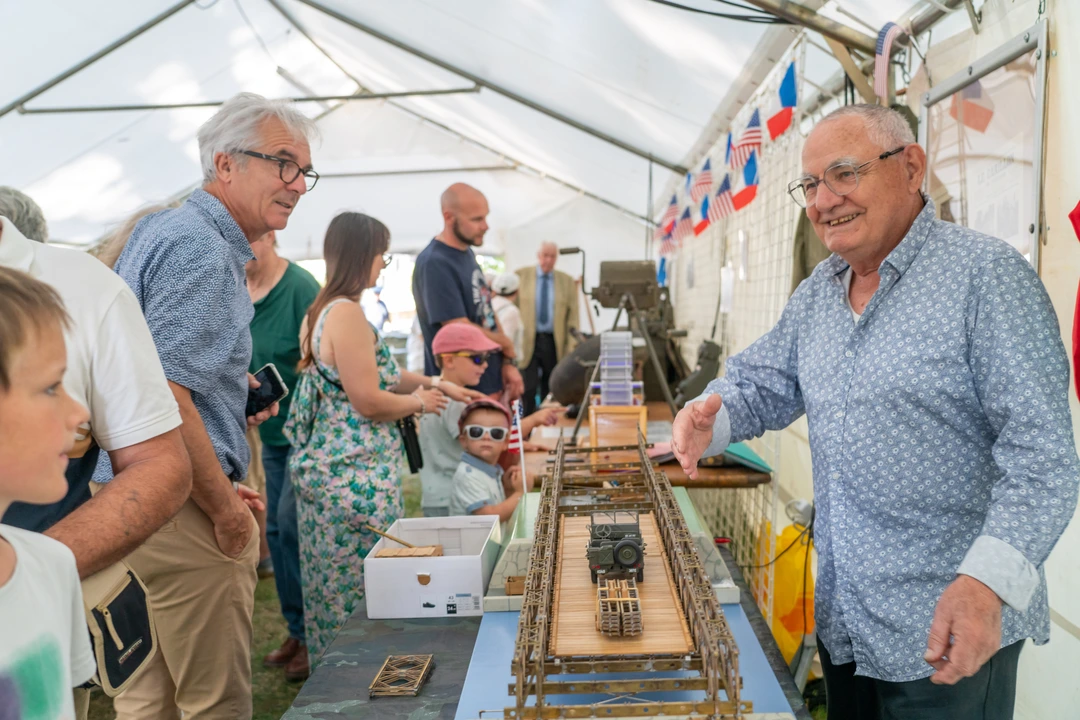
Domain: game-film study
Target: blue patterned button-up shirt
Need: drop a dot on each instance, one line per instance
(186, 267)
(940, 435)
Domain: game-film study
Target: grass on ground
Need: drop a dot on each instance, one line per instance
(271, 695)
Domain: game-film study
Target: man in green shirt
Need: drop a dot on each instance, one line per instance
(281, 292)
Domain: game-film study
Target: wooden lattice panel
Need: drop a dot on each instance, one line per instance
(573, 629)
(401, 675)
(618, 608)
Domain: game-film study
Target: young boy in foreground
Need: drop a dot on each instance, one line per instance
(461, 350)
(44, 645)
(480, 485)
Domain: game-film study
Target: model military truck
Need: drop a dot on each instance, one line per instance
(616, 549)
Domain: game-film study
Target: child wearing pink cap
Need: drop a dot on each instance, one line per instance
(480, 485)
(461, 351)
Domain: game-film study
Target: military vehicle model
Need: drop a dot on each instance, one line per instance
(616, 548)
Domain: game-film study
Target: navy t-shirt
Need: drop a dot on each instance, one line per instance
(448, 284)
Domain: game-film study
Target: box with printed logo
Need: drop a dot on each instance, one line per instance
(450, 585)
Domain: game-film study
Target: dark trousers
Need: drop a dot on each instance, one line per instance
(281, 535)
(538, 374)
(987, 695)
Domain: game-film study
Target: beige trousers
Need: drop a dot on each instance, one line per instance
(202, 603)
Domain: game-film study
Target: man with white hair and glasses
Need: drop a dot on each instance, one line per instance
(929, 363)
(186, 267)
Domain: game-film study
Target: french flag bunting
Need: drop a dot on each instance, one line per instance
(721, 205)
(515, 428)
(702, 183)
(727, 151)
(779, 122)
(748, 142)
(703, 223)
(885, 39)
(750, 181)
(683, 228)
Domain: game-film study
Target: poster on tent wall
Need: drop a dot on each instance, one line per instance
(982, 130)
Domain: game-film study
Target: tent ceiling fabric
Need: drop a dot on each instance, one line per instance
(651, 76)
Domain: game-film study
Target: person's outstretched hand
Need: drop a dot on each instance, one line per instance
(692, 432)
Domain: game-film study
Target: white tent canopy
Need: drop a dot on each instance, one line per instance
(642, 75)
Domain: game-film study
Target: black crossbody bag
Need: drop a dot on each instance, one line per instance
(406, 426)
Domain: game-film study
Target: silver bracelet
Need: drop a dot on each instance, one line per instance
(423, 406)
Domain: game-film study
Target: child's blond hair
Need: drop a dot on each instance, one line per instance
(26, 306)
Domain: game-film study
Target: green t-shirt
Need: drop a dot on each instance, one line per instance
(275, 338)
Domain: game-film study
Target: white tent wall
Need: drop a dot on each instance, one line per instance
(604, 234)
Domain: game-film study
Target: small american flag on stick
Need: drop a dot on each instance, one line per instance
(515, 428)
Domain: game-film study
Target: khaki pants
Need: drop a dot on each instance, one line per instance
(202, 604)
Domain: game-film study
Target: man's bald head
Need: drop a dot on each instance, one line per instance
(464, 211)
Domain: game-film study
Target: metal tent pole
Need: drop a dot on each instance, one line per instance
(217, 103)
(494, 87)
(95, 57)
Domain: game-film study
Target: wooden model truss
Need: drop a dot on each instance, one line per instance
(540, 673)
(401, 675)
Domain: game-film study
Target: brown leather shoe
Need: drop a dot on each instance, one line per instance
(285, 653)
(298, 668)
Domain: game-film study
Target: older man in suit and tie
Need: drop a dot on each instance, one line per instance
(549, 309)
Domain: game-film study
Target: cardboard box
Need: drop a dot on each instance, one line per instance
(447, 586)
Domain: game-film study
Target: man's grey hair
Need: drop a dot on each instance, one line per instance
(235, 127)
(24, 214)
(885, 127)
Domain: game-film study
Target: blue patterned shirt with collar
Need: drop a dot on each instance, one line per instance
(186, 267)
(940, 436)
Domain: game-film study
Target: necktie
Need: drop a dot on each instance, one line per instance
(545, 279)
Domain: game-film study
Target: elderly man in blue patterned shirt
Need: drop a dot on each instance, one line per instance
(929, 363)
(186, 267)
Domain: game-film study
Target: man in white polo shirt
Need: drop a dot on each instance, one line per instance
(113, 369)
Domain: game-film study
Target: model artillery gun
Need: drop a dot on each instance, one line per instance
(616, 548)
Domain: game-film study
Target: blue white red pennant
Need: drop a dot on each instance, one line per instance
(779, 122)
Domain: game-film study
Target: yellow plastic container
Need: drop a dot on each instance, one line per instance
(793, 584)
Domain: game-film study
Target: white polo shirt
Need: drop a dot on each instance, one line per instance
(113, 367)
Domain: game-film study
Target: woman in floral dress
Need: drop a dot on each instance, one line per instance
(349, 457)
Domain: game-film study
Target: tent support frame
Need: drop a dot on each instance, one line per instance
(494, 87)
(119, 42)
(513, 162)
(217, 103)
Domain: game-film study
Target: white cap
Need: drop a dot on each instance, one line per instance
(506, 284)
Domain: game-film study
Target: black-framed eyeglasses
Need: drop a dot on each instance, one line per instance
(841, 178)
(288, 170)
(476, 432)
(477, 358)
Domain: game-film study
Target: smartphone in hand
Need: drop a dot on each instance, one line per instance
(271, 389)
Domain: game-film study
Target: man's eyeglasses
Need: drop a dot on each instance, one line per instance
(477, 358)
(476, 432)
(288, 170)
(841, 178)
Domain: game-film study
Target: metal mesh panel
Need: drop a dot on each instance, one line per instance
(758, 243)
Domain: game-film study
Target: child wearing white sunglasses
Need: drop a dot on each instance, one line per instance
(480, 486)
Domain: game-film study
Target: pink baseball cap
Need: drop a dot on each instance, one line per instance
(482, 404)
(459, 336)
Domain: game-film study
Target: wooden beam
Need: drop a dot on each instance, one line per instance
(853, 71)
